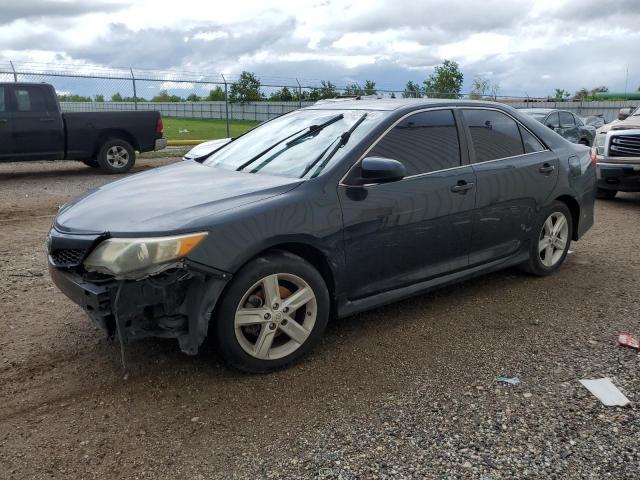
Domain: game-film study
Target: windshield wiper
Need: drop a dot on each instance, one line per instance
(299, 135)
(342, 141)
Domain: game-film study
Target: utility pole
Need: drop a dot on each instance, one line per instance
(226, 103)
(135, 95)
(299, 94)
(15, 75)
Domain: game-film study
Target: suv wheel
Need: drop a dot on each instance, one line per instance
(550, 241)
(274, 311)
(116, 156)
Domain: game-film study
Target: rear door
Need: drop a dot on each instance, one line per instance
(38, 131)
(403, 232)
(515, 174)
(6, 141)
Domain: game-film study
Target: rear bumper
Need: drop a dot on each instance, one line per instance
(623, 177)
(160, 144)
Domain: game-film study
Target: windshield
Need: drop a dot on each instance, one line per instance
(289, 144)
(539, 116)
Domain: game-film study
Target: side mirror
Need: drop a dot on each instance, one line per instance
(382, 170)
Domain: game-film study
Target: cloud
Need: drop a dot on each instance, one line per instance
(38, 9)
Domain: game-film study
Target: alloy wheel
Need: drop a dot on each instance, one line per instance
(117, 156)
(275, 316)
(553, 239)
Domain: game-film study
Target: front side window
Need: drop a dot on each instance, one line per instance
(494, 135)
(423, 142)
(553, 121)
(566, 120)
(32, 99)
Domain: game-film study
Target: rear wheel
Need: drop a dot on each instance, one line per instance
(274, 311)
(550, 241)
(116, 156)
(606, 194)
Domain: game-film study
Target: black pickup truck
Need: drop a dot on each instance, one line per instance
(32, 127)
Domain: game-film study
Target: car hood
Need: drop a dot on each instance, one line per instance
(629, 123)
(179, 197)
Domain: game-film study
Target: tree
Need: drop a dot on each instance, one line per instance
(581, 94)
(193, 98)
(412, 90)
(326, 90)
(561, 94)
(116, 97)
(600, 89)
(282, 95)
(164, 96)
(353, 89)
(99, 98)
(370, 87)
(246, 89)
(479, 87)
(73, 97)
(393, 95)
(215, 95)
(445, 81)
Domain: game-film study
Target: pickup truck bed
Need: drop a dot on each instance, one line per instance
(32, 127)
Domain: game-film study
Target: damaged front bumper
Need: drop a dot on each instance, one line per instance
(175, 304)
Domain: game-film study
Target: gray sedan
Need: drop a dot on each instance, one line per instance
(564, 123)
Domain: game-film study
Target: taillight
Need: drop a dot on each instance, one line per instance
(159, 126)
(594, 156)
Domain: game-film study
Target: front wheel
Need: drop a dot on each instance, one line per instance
(116, 156)
(550, 241)
(274, 311)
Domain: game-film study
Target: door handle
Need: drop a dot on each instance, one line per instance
(46, 119)
(462, 187)
(546, 169)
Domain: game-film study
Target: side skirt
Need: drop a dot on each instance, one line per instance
(380, 299)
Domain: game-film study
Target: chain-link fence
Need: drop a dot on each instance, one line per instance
(215, 96)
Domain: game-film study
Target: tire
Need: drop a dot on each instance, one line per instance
(261, 342)
(91, 163)
(116, 156)
(606, 194)
(545, 258)
(584, 141)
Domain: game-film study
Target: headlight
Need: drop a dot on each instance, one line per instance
(138, 257)
(599, 142)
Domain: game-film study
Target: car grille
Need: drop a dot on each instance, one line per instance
(625, 146)
(67, 257)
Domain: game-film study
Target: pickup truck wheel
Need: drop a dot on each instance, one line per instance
(91, 163)
(273, 312)
(116, 156)
(606, 194)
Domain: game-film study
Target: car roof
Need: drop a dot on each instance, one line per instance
(541, 110)
(391, 104)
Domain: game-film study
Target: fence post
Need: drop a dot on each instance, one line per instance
(226, 103)
(299, 94)
(15, 75)
(135, 95)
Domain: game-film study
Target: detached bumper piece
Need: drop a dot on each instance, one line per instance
(621, 177)
(175, 304)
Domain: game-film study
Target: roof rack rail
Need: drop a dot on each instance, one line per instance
(344, 98)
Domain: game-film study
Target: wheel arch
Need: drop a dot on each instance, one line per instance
(115, 133)
(574, 207)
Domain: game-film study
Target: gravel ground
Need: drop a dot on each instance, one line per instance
(405, 391)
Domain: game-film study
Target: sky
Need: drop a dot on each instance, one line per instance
(526, 47)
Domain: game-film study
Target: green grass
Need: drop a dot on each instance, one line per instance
(200, 129)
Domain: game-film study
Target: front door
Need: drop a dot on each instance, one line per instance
(515, 174)
(38, 132)
(400, 233)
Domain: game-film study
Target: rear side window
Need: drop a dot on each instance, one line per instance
(3, 107)
(553, 121)
(424, 142)
(531, 143)
(567, 120)
(494, 135)
(33, 99)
